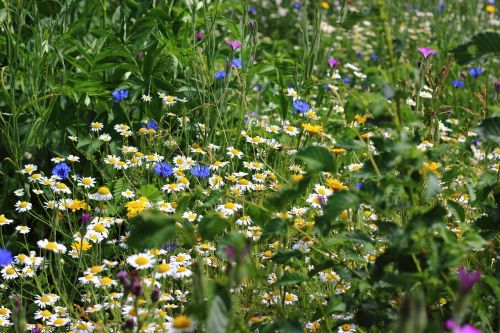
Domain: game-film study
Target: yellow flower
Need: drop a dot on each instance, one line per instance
(81, 246)
(312, 129)
(297, 177)
(491, 9)
(137, 206)
(360, 119)
(78, 204)
(338, 150)
(336, 185)
(430, 167)
(325, 5)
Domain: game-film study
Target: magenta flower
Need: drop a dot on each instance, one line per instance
(332, 62)
(466, 279)
(234, 44)
(455, 327)
(427, 52)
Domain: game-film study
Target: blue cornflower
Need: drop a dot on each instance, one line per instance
(359, 55)
(374, 57)
(358, 186)
(457, 83)
(120, 95)
(61, 170)
(151, 124)
(441, 6)
(475, 71)
(297, 5)
(237, 63)
(220, 75)
(347, 80)
(301, 106)
(326, 86)
(200, 171)
(257, 87)
(163, 169)
(5, 257)
(252, 10)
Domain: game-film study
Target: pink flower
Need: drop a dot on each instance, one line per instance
(234, 44)
(455, 327)
(427, 52)
(333, 62)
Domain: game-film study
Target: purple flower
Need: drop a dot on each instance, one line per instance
(475, 71)
(5, 257)
(455, 327)
(251, 24)
(466, 279)
(497, 85)
(297, 5)
(61, 170)
(457, 83)
(332, 62)
(120, 95)
(301, 106)
(234, 44)
(86, 217)
(427, 52)
(200, 171)
(198, 36)
(163, 169)
(252, 10)
(140, 54)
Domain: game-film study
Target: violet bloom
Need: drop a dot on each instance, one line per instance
(497, 85)
(466, 279)
(86, 217)
(455, 327)
(427, 52)
(198, 36)
(332, 62)
(234, 44)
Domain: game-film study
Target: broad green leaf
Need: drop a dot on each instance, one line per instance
(291, 279)
(337, 203)
(481, 44)
(317, 159)
(151, 230)
(490, 129)
(212, 225)
(218, 316)
(151, 192)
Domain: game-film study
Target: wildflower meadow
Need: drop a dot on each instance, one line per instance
(249, 166)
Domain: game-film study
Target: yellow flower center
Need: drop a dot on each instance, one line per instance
(99, 228)
(141, 261)
(229, 205)
(182, 322)
(103, 191)
(51, 246)
(163, 268)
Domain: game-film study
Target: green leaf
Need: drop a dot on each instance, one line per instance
(474, 241)
(284, 257)
(150, 230)
(431, 187)
(457, 210)
(337, 203)
(480, 45)
(151, 192)
(291, 279)
(212, 225)
(317, 159)
(490, 129)
(217, 320)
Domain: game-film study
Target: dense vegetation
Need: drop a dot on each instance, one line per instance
(249, 166)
